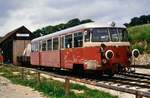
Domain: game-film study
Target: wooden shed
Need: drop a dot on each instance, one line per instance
(14, 43)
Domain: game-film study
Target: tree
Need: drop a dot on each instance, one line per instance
(37, 33)
(86, 21)
(144, 19)
(72, 23)
(51, 29)
(134, 21)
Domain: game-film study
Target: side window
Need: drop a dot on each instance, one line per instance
(36, 47)
(40, 45)
(68, 41)
(62, 42)
(49, 44)
(87, 36)
(43, 45)
(32, 47)
(55, 44)
(78, 39)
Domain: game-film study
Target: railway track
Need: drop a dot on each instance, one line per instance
(131, 80)
(123, 82)
(133, 83)
(137, 75)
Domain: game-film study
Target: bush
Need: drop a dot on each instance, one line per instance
(148, 49)
(139, 33)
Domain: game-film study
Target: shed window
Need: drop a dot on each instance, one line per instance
(49, 44)
(78, 39)
(55, 44)
(68, 41)
(43, 45)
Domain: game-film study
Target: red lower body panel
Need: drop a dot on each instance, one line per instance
(89, 57)
(46, 58)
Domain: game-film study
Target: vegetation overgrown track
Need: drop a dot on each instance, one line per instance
(124, 83)
(131, 79)
(50, 87)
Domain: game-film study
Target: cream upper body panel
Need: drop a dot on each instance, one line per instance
(92, 44)
(73, 29)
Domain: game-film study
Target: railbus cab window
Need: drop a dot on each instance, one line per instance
(87, 36)
(43, 45)
(123, 34)
(100, 35)
(68, 41)
(114, 34)
(49, 44)
(55, 44)
(78, 39)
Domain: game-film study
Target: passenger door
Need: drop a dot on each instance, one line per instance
(67, 52)
(62, 51)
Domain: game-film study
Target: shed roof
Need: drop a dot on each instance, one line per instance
(8, 35)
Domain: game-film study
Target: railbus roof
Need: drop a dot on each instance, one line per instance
(72, 29)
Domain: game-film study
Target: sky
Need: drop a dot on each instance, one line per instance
(35, 14)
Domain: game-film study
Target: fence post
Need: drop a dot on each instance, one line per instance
(38, 77)
(67, 87)
(28, 72)
(138, 96)
(22, 73)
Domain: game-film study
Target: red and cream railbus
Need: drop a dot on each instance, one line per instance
(85, 47)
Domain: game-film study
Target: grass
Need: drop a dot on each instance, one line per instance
(140, 37)
(139, 33)
(52, 88)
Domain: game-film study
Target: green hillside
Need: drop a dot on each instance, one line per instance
(140, 37)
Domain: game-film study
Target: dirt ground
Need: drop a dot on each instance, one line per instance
(142, 70)
(9, 90)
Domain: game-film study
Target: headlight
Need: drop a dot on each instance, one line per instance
(135, 53)
(109, 54)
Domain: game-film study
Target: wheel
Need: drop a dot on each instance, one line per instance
(110, 73)
(120, 68)
(98, 74)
